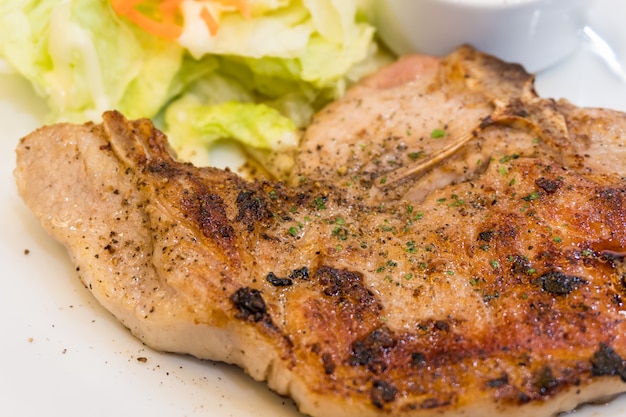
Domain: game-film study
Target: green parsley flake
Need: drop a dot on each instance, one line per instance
(410, 247)
(532, 196)
(416, 155)
(340, 233)
(457, 202)
(437, 133)
(320, 203)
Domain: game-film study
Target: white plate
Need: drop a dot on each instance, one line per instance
(61, 354)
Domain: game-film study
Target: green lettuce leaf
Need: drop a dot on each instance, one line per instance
(258, 80)
(220, 108)
(84, 60)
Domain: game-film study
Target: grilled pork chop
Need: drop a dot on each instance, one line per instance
(498, 292)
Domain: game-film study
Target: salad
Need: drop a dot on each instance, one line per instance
(250, 70)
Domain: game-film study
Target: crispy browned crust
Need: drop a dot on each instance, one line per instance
(501, 294)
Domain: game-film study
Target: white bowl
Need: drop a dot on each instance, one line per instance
(534, 33)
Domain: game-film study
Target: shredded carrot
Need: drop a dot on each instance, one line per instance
(167, 27)
(168, 8)
(209, 21)
(166, 30)
(122, 7)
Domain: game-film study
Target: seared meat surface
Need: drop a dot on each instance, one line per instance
(497, 291)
